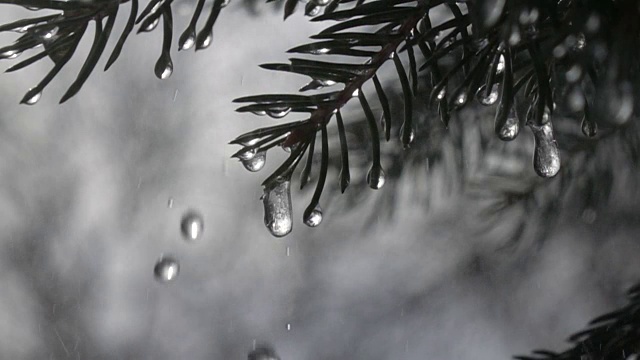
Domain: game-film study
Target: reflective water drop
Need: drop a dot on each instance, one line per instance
(225, 3)
(166, 269)
(412, 136)
(170, 203)
(314, 218)
(580, 42)
(203, 40)
(192, 225)
(278, 208)
(546, 160)
(152, 25)
(511, 127)
(376, 177)
(288, 326)
(164, 67)
(259, 112)
(278, 113)
(10, 54)
(247, 155)
(187, 40)
(461, 99)
(441, 94)
(322, 2)
(33, 99)
(500, 67)
(559, 51)
(256, 163)
(312, 9)
(589, 127)
(515, 36)
(263, 352)
(485, 99)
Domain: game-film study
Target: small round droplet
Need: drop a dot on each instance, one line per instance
(489, 99)
(203, 40)
(33, 99)
(166, 269)
(589, 127)
(314, 218)
(256, 163)
(546, 160)
(278, 113)
(376, 177)
(192, 225)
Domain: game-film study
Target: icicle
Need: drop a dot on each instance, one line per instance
(255, 163)
(278, 208)
(546, 160)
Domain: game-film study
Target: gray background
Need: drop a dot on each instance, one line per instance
(84, 216)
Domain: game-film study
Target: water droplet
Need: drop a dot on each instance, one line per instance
(529, 16)
(152, 25)
(170, 203)
(500, 67)
(511, 127)
(164, 67)
(259, 112)
(593, 23)
(589, 127)
(515, 36)
(376, 177)
(314, 218)
(288, 326)
(322, 2)
(461, 99)
(192, 225)
(33, 99)
(278, 113)
(442, 93)
(312, 9)
(10, 54)
(203, 40)
(225, 3)
(256, 163)
(187, 40)
(278, 208)
(247, 155)
(485, 99)
(580, 42)
(166, 269)
(263, 352)
(412, 136)
(559, 51)
(288, 251)
(546, 160)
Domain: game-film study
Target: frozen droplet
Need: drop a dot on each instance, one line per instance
(33, 99)
(376, 177)
(546, 160)
(164, 67)
(263, 352)
(256, 163)
(489, 99)
(511, 127)
(278, 113)
(166, 269)
(589, 127)
(314, 218)
(192, 225)
(277, 207)
(152, 25)
(247, 155)
(410, 138)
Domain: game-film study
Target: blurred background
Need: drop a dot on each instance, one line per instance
(93, 192)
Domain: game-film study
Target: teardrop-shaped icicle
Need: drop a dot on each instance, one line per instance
(589, 127)
(376, 177)
(546, 160)
(490, 99)
(410, 137)
(314, 218)
(511, 128)
(33, 99)
(256, 163)
(164, 67)
(277, 208)
(278, 113)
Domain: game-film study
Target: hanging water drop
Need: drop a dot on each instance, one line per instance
(441, 93)
(187, 40)
(247, 155)
(312, 9)
(278, 208)
(166, 269)
(33, 99)
(225, 3)
(461, 99)
(589, 127)
(203, 40)
(409, 138)
(10, 54)
(256, 163)
(500, 66)
(490, 99)
(278, 113)
(511, 127)
(546, 160)
(192, 225)
(164, 67)
(314, 218)
(152, 25)
(376, 177)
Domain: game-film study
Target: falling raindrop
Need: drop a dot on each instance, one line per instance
(33, 99)
(263, 352)
(511, 127)
(376, 177)
(192, 225)
(589, 127)
(256, 163)
(164, 67)
(278, 113)
(489, 99)
(546, 160)
(314, 218)
(166, 269)
(277, 207)
(170, 203)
